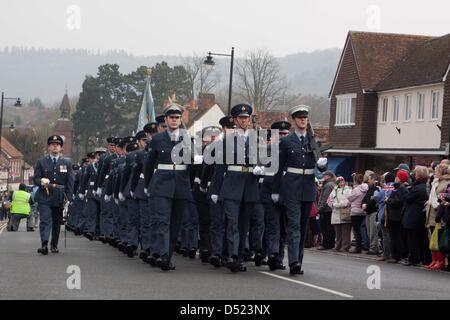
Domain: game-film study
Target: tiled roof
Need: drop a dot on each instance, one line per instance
(425, 65)
(10, 150)
(376, 54)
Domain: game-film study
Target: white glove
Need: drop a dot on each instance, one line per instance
(214, 198)
(107, 198)
(198, 159)
(132, 194)
(258, 171)
(146, 192)
(322, 162)
(121, 197)
(204, 190)
(275, 197)
(99, 191)
(116, 201)
(44, 181)
(81, 196)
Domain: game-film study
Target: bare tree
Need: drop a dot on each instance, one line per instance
(260, 80)
(201, 79)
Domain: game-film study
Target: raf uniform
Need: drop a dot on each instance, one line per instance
(72, 212)
(106, 208)
(296, 189)
(134, 218)
(236, 183)
(147, 221)
(55, 178)
(218, 227)
(274, 213)
(169, 186)
(87, 189)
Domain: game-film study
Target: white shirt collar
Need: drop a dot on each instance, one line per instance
(241, 132)
(174, 134)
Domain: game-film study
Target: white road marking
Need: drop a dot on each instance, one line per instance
(308, 285)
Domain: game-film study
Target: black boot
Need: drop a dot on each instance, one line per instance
(43, 250)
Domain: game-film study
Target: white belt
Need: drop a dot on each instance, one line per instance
(300, 171)
(197, 180)
(175, 167)
(141, 176)
(240, 169)
(91, 183)
(269, 174)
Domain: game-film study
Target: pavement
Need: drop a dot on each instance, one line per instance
(106, 273)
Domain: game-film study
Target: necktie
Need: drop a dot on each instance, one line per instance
(302, 140)
(54, 162)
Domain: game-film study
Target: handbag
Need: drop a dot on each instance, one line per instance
(344, 213)
(434, 243)
(443, 240)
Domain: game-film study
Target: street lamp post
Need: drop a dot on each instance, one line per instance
(209, 63)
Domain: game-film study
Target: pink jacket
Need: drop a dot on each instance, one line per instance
(356, 198)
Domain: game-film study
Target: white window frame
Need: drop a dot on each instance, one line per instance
(384, 109)
(435, 107)
(395, 109)
(408, 107)
(344, 110)
(420, 94)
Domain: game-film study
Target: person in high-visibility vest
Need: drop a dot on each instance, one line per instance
(20, 207)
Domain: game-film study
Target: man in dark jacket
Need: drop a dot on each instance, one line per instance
(325, 210)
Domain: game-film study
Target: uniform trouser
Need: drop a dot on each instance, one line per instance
(123, 220)
(106, 217)
(144, 224)
(153, 225)
(238, 215)
(116, 219)
(217, 227)
(168, 214)
(204, 223)
(191, 225)
(82, 221)
(272, 215)
(297, 221)
(257, 227)
(76, 212)
(92, 210)
(51, 219)
(134, 223)
(15, 221)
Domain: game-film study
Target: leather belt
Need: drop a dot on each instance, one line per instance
(173, 167)
(300, 171)
(240, 169)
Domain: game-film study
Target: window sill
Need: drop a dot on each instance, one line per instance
(349, 125)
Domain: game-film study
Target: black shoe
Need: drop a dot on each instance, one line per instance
(192, 253)
(90, 236)
(43, 250)
(215, 261)
(130, 251)
(409, 263)
(295, 268)
(165, 264)
(102, 239)
(242, 267)
(177, 248)
(143, 255)
(152, 260)
(204, 256)
(30, 229)
(54, 250)
(233, 264)
(272, 262)
(184, 252)
(258, 259)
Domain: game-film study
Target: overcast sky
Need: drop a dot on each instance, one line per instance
(173, 27)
